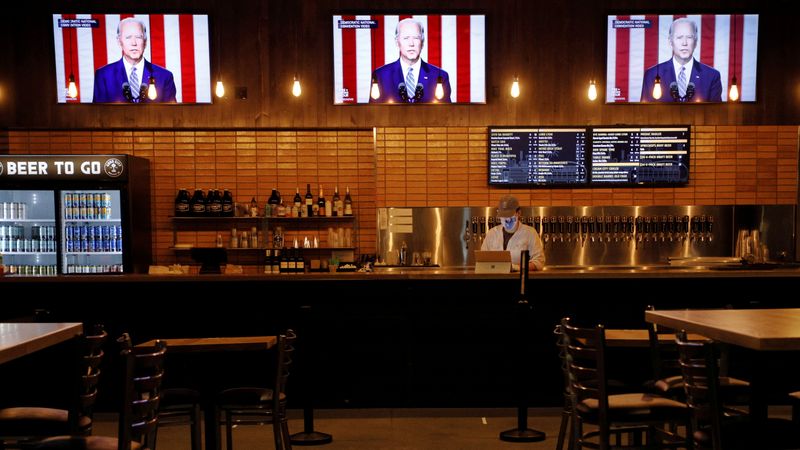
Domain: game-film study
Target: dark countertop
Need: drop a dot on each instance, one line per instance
(443, 273)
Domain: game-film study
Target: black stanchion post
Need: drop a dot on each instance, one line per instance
(522, 433)
(308, 436)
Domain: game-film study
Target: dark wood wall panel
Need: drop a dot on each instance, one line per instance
(554, 47)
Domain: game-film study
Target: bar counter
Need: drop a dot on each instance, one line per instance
(450, 273)
(415, 337)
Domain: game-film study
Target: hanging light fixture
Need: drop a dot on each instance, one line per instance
(592, 92)
(439, 88)
(296, 89)
(657, 92)
(515, 87)
(72, 88)
(733, 93)
(375, 90)
(219, 90)
(151, 88)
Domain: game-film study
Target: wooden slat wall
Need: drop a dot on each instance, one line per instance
(250, 163)
(448, 167)
(406, 167)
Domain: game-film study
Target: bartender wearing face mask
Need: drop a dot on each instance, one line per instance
(513, 236)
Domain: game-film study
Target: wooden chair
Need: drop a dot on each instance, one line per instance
(143, 373)
(714, 425)
(566, 412)
(635, 413)
(667, 378)
(21, 424)
(259, 406)
(181, 406)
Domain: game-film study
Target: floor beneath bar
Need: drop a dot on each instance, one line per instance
(356, 429)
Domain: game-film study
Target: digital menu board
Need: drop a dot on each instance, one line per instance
(548, 156)
(640, 155)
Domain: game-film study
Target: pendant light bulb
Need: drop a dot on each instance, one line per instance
(515, 87)
(657, 88)
(733, 94)
(375, 91)
(220, 89)
(592, 93)
(439, 93)
(151, 89)
(296, 90)
(72, 88)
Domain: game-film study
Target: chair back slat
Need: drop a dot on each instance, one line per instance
(143, 376)
(700, 370)
(584, 349)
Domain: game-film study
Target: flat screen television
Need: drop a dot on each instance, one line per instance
(639, 156)
(174, 46)
(538, 156)
(724, 47)
(450, 47)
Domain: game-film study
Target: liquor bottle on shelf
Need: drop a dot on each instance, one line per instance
(337, 208)
(273, 202)
(214, 207)
(321, 203)
(227, 203)
(309, 201)
(253, 207)
(348, 203)
(300, 263)
(298, 202)
(182, 207)
(198, 203)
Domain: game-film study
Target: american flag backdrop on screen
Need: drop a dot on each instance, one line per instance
(178, 42)
(456, 43)
(728, 43)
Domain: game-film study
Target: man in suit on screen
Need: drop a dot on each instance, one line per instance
(126, 80)
(683, 78)
(410, 79)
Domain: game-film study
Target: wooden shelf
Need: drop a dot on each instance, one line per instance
(310, 250)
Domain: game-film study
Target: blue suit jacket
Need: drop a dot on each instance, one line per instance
(706, 79)
(390, 76)
(108, 82)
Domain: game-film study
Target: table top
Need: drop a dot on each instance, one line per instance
(757, 329)
(20, 339)
(213, 344)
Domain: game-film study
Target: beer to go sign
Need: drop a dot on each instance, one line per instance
(72, 167)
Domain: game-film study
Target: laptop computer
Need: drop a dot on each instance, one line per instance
(492, 261)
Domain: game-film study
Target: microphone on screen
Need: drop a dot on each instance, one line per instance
(673, 91)
(401, 89)
(689, 91)
(418, 92)
(126, 92)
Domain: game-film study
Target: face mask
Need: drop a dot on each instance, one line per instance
(509, 223)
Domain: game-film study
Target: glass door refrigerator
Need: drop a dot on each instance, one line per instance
(74, 214)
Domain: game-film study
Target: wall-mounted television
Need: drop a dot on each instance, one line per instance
(696, 64)
(169, 49)
(637, 156)
(438, 48)
(538, 156)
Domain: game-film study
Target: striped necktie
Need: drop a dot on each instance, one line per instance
(410, 82)
(134, 83)
(682, 82)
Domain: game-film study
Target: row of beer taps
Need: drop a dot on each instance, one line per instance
(666, 228)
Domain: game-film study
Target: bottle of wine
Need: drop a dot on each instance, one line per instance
(253, 207)
(337, 206)
(298, 202)
(309, 201)
(348, 203)
(321, 203)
